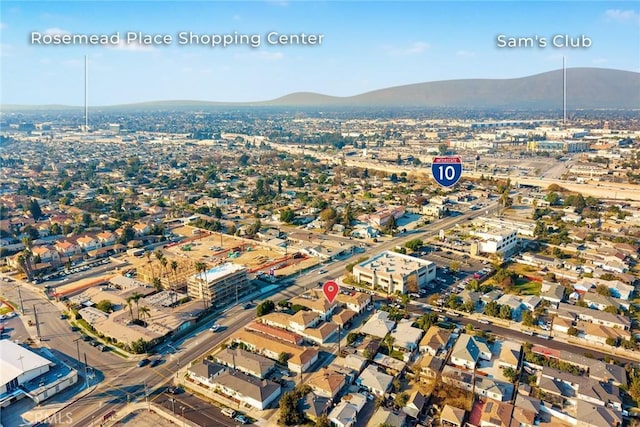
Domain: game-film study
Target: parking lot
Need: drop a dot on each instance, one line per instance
(66, 274)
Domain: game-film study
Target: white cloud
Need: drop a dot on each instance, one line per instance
(56, 31)
(3, 25)
(414, 48)
(617, 15)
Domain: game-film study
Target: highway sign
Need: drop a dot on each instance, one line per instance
(446, 170)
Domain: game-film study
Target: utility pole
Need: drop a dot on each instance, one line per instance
(35, 313)
(77, 341)
(21, 304)
(86, 377)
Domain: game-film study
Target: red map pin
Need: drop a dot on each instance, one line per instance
(330, 289)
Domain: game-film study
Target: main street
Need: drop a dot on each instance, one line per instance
(126, 382)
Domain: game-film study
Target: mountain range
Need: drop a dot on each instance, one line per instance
(587, 88)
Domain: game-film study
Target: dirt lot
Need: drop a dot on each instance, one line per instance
(216, 249)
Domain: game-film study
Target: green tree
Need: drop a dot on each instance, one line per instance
(572, 331)
(505, 312)
(401, 399)
(289, 414)
(454, 266)
(389, 340)
(492, 309)
(283, 357)
(351, 337)
(634, 386)
(414, 244)
(105, 305)
(287, 215)
(527, 318)
(511, 374)
(603, 290)
(265, 307)
(34, 208)
(611, 309)
(468, 306)
(323, 421)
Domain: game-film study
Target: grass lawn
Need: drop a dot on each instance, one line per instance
(526, 287)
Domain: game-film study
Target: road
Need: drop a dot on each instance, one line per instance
(128, 381)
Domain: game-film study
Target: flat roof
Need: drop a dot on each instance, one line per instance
(393, 262)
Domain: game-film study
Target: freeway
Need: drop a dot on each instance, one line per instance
(129, 382)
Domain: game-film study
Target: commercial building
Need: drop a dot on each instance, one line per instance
(219, 285)
(25, 373)
(559, 146)
(394, 272)
(495, 241)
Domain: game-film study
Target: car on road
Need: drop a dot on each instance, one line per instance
(241, 419)
(228, 412)
(74, 328)
(143, 362)
(102, 347)
(63, 317)
(155, 362)
(214, 328)
(174, 390)
(322, 271)
(247, 305)
(369, 307)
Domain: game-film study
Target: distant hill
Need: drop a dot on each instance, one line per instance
(587, 88)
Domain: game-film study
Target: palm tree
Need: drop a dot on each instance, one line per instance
(200, 268)
(163, 262)
(160, 256)
(389, 340)
(22, 263)
(135, 297)
(144, 312)
(174, 267)
(405, 302)
(148, 255)
(129, 300)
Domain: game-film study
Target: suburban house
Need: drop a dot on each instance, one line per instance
(434, 340)
(468, 350)
(246, 389)
(346, 411)
(375, 381)
(326, 383)
(450, 416)
(384, 416)
(245, 361)
(206, 372)
(379, 325)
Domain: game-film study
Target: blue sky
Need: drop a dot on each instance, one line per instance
(367, 45)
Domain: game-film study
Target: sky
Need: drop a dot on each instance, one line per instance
(366, 45)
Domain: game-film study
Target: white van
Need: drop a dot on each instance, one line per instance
(229, 412)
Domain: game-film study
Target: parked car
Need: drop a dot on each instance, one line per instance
(229, 412)
(241, 419)
(143, 362)
(155, 362)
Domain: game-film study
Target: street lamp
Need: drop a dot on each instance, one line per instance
(182, 409)
(173, 405)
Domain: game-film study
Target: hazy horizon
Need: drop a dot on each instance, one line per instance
(364, 47)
